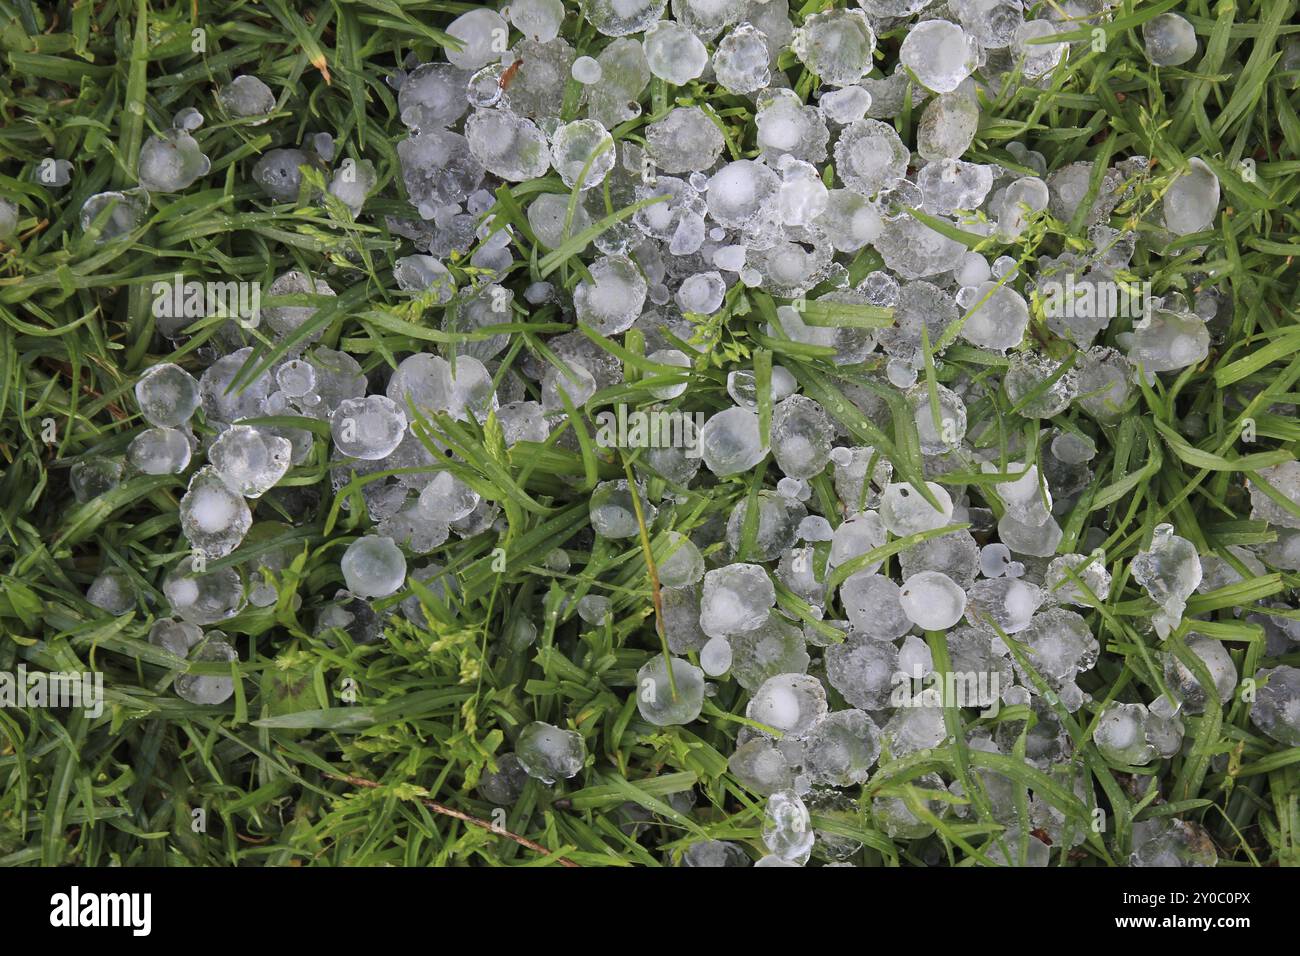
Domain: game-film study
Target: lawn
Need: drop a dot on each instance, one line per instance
(370, 730)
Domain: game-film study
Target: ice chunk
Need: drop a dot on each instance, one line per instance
(837, 45)
(685, 140)
(741, 60)
(247, 97)
(730, 442)
(789, 703)
(787, 828)
(373, 566)
(736, 598)
(369, 428)
(171, 162)
(213, 517)
(932, 600)
(1170, 40)
(548, 753)
(507, 145)
(664, 703)
(1276, 710)
(940, 54)
(904, 511)
(1169, 571)
(582, 146)
(612, 301)
(482, 34)
(207, 689)
(674, 52)
(841, 748)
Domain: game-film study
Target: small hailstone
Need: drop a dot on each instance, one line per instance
(1169, 40)
(873, 605)
(815, 528)
(159, 451)
(715, 657)
(674, 52)
(845, 106)
(932, 601)
(284, 320)
(247, 97)
(1089, 569)
(677, 359)
(870, 156)
(915, 657)
(8, 219)
(995, 560)
(702, 293)
(537, 19)
(167, 395)
(352, 183)
(613, 512)
(904, 511)
(801, 435)
(507, 145)
(171, 162)
(837, 45)
(586, 70)
(796, 489)
(279, 173)
(1169, 841)
(214, 518)
(1192, 200)
(787, 830)
(112, 591)
(1275, 709)
(714, 853)
(93, 475)
(207, 689)
(735, 599)
(741, 62)
(940, 54)
(730, 442)
(682, 564)
(420, 275)
(446, 499)
(369, 428)
(1169, 571)
(583, 145)
(612, 301)
(1121, 734)
(250, 460)
(373, 567)
(594, 608)
(1037, 59)
(176, 637)
(1009, 602)
(789, 703)
(857, 536)
(1186, 687)
(548, 753)
(478, 32)
(663, 702)
(125, 211)
(505, 785)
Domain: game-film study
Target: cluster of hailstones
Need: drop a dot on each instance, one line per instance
(707, 222)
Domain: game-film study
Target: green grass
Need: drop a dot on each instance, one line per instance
(433, 705)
